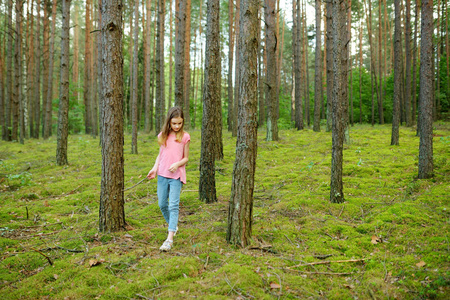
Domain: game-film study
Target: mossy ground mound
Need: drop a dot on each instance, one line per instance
(388, 240)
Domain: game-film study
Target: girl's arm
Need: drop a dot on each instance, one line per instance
(174, 167)
(154, 170)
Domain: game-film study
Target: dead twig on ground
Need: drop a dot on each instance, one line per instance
(327, 262)
(48, 258)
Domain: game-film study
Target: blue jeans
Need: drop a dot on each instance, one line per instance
(169, 191)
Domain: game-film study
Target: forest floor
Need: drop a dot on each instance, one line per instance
(389, 240)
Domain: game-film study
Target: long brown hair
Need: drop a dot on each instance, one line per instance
(174, 112)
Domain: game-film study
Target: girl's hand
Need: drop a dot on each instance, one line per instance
(151, 174)
(173, 168)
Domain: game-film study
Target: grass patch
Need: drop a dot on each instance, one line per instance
(388, 240)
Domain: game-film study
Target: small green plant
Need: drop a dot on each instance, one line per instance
(24, 178)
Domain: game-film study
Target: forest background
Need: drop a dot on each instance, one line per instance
(414, 270)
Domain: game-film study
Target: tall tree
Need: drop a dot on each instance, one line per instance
(48, 108)
(397, 76)
(111, 211)
(187, 66)
(318, 74)
(408, 63)
(63, 113)
(338, 98)
(230, 63)
(99, 70)
(329, 55)
(134, 100)
(169, 101)
(30, 65)
(45, 60)
(148, 124)
(159, 68)
(426, 95)
(37, 72)
(414, 73)
(87, 71)
(236, 67)
(179, 53)
(211, 104)
(241, 202)
(261, 71)
(305, 65)
(271, 71)
(298, 70)
(18, 109)
(9, 76)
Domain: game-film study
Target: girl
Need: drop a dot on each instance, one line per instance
(170, 168)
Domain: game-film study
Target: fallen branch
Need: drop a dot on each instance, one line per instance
(61, 248)
(135, 184)
(323, 273)
(48, 258)
(327, 262)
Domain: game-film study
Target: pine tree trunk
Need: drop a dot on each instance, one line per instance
(236, 68)
(111, 211)
(408, 64)
(18, 109)
(241, 203)
(211, 103)
(134, 100)
(63, 113)
(397, 76)
(160, 86)
(298, 70)
(306, 68)
(147, 66)
(414, 67)
(230, 64)
(360, 72)
(438, 59)
(425, 96)
(94, 69)
(29, 120)
(179, 54)
(187, 67)
(271, 71)
(87, 71)
(99, 71)
(318, 73)
(261, 77)
(45, 61)
(329, 55)
(2, 88)
(9, 76)
(380, 74)
(339, 68)
(76, 54)
(169, 101)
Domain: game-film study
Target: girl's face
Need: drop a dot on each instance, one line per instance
(176, 124)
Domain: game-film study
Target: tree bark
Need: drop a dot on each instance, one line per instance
(45, 61)
(134, 100)
(230, 64)
(318, 74)
(160, 86)
(179, 54)
(169, 101)
(211, 103)
(9, 76)
(306, 68)
(408, 64)
(426, 95)
(298, 71)
(111, 211)
(397, 76)
(329, 55)
(241, 203)
(236, 68)
(271, 71)
(63, 113)
(99, 72)
(147, 67)
(414, 73)
(87, 71)
(338, 98)
(187, 67)
(18, 129)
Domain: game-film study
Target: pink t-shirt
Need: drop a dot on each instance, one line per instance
(171, 153)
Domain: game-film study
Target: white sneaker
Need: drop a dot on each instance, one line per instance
(166, 246)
